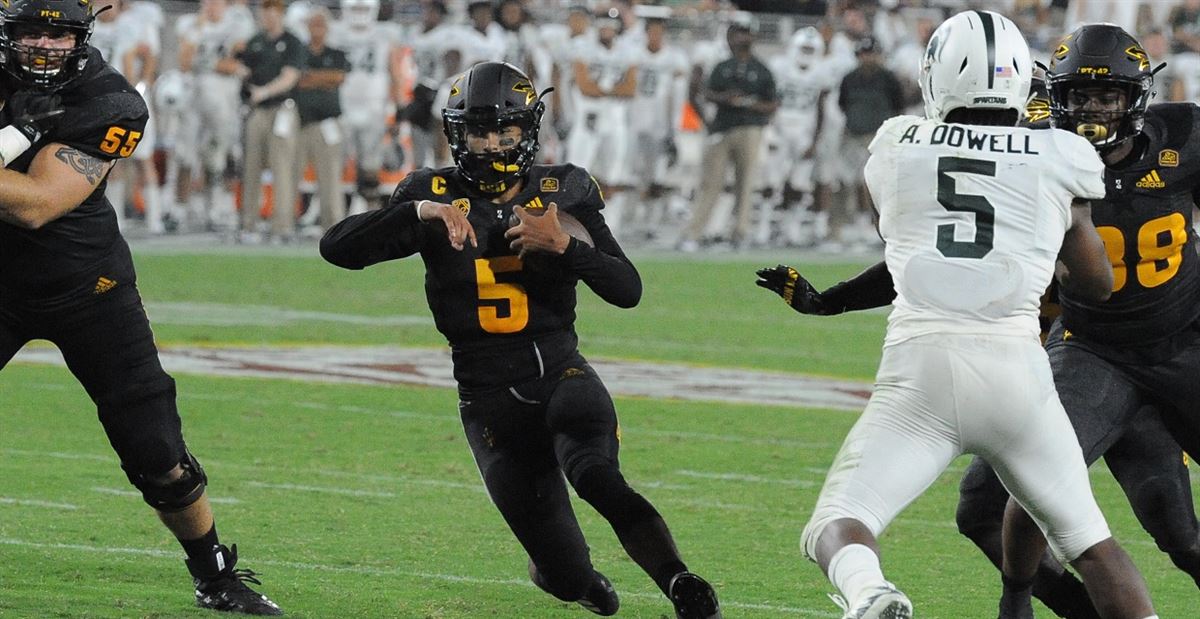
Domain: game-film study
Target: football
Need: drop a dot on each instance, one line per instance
(568, 222)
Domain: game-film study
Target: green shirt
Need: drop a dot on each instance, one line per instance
(266, 59)
(317, 104)
(752, 78)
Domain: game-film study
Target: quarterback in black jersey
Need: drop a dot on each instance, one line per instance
(1127, 369)
(66, 274)
(500, 282)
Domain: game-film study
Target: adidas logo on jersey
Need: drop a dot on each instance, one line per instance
(103, 285)
(1151, 181)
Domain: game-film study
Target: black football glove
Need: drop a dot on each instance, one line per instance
(800, 295)
(33, 112)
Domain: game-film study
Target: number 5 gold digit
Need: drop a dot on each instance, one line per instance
(511, 294)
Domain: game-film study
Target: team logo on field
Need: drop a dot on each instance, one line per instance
(549, 185)
(1151, 181)
(103, 285)
(462, 204)
(1168, 158)
(535, 203)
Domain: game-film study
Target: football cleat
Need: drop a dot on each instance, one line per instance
(601, 598)
(693, 597)
(227, 590)
(885, 602)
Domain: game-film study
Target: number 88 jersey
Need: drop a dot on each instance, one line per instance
(1145, 221)
(974, 217)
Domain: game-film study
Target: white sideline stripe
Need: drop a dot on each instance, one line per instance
(375, 571)
(228, 315)
(4, 500)
(753, 479)
(220, 500)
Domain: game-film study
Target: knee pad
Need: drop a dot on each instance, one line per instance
(172, 496)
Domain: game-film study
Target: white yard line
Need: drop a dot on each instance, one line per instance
(4, 500)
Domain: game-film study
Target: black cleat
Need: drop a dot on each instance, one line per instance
(601, 598)
(693, 597)
(227, 590)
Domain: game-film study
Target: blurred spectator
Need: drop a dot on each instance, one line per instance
(605, 84)
(269, 67)
(518, 38)
(1184, 21)
(869, 95)
(1123, 13)
(743, 90)
(429, 46)
(830, 174)
(317, 101)
(369, 95)
(209, 130)
(480, 43)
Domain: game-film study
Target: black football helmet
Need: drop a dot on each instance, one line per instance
(1100, 55)
(44, 68)
(488, 97)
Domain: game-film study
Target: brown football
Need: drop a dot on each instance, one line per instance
(567, 221)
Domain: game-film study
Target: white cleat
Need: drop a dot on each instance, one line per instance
(885, 602)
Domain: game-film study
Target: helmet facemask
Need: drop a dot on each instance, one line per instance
(1105, 111)
(493, 171)
(58, 59)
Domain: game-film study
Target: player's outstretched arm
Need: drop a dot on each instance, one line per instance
(869, 289)
(59, 179)
(1083, 266)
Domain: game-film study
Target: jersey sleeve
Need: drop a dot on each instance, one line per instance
(604, 268)
(1081, 169)
(391, 232)
(108, 126)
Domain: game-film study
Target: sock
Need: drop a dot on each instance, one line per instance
(667, 571)
(201, 551)
(1065, 595)
(1016, 599)
(855, 569)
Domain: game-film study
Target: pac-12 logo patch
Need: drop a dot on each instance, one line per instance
(549, 185)
(462, 204)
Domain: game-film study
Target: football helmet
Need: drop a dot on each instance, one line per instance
(1100, 55)
(975, 60)
(45, 68)
(360, 13)
(806, 47)
(485, 99)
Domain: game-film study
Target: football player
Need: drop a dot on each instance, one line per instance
(370, 91)
(532, 408)
(1116, 364)
(662, 71)
(605, 76)
(130, 43)
(966, 307)
(66, 274)
(211, 140)
(429, 43)
(803, 90)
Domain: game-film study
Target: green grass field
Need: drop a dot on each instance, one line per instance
(355, 501)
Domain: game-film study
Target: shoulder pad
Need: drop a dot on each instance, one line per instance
(427, 184)
(105, 117)
(1174, 122)
(890, 126)
(576, 190)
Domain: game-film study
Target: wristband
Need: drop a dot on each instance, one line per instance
(13, 144)
(417, 205)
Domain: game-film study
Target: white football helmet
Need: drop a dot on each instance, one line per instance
(360, 13)
(977, 60)
(805, 47)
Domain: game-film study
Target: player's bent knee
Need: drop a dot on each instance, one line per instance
(166, 493)
(1069, 545)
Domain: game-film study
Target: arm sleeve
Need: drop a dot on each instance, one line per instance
(869, 289)
(369, 238)
(604, 268)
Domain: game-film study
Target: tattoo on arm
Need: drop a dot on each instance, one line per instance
(90, 167)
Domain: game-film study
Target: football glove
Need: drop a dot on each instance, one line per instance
(800, 295)
(32, 112)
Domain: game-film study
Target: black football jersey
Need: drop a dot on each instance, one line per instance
(1145, 221)
(104, 118)
(486, 301)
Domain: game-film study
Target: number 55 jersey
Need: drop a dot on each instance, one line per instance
(1145, 220)
(973, 218)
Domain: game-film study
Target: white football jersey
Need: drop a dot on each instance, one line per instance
(365, 93)
(213, 40)
(605, 65)
(659, 88)
(973, 218)
(427, 51)
(116, 38)
(799, 91)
